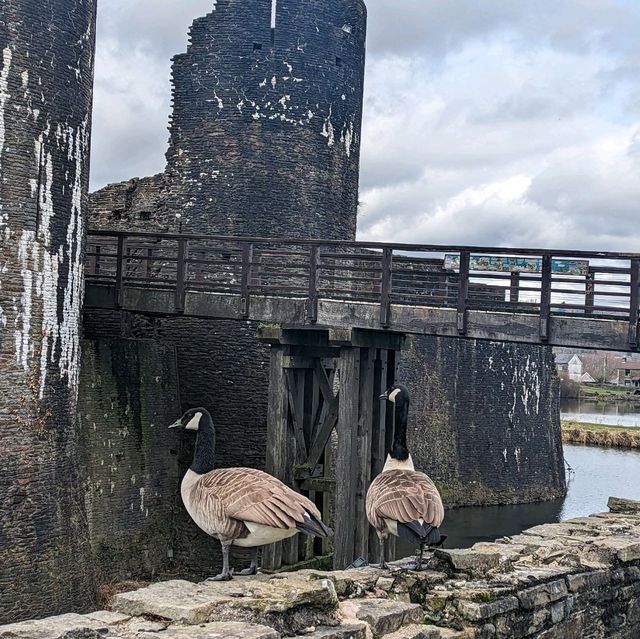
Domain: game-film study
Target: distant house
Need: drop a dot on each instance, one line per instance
(587, 379)
(628, 374)
(570, 367)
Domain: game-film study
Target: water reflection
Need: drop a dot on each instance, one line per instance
(598, 474)
(624, 413)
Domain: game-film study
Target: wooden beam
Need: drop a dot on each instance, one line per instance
(346, 469)
(278, 439)
(364, 446)
(319, 484)
(297, 415)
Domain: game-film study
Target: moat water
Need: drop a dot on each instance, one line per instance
(598, 473)
(624, 413)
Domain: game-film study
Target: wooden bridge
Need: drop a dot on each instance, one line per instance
(562, 298)
(335, 315)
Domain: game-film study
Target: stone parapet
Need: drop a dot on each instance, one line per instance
(579, 578)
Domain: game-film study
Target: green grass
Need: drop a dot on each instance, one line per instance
(599, 391)
(567, 424)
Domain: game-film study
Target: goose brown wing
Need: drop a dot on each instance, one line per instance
(404, 496)
(254, 496)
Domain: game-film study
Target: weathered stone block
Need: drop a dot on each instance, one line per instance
(625, 549)
(344, 631)
(474, 611)
(543, 594)
(385, 616)
(477, 564)
(588, 580)
(60, 627)
(619, 505)
(290, 603)
(220, 630)
(428, 632)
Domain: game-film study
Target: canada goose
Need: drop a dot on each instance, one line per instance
(402, 501)
(240, 506)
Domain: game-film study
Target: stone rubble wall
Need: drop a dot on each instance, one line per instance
(579, 579)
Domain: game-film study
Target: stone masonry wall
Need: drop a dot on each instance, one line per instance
(485, 419)
(129, 460)
(46, 88)
(579, 579)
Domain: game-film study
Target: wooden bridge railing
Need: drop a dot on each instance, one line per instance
(546, 283)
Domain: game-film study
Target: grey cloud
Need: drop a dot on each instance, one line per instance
(485, 121)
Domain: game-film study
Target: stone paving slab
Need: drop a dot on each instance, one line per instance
(60, 627)
(343, 631)
(219, 630)
(384, 616)
(191, 603)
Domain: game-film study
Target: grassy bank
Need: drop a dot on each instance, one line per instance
(600, 435)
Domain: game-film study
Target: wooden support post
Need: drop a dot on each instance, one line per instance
(364, 447)
(590, 292)
(378, 435)
(514, 291)
(181, 275)
(386, 284)
(634, 303)
(312, 303)
(463, 291)
(278, 438)
(545, 297)
(346, 466)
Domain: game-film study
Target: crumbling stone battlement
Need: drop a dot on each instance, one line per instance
(576, 579)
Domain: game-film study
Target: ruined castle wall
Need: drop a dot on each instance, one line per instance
(485, 419)
(265, 132)
(46, 82)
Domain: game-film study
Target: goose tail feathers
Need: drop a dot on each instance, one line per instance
(420, 533)
(313, 527)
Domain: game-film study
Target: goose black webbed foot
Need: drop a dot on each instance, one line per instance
(223, 576)
(252, 569)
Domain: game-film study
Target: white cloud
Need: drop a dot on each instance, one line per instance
(513, 123)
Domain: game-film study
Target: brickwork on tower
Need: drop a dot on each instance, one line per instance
(46, 86)
(265, 132)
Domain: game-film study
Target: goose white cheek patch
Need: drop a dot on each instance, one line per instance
(394, 394)
(194, 424)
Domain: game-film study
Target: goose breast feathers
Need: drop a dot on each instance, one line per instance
(221, 501)
(404, 496)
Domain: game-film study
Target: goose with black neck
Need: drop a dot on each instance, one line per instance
(241, 507)
(402, 501)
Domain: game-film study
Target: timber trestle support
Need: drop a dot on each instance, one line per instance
(328, 433)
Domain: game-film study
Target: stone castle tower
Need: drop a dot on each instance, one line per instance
(46, 84)
(265, 132)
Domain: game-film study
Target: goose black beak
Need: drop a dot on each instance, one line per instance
(384, 396)
(176, 424)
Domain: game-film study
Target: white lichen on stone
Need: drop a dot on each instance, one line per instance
(347, 137)
(328, 130)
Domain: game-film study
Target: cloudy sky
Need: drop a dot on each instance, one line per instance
(508, 122)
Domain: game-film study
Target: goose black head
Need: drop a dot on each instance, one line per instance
(192, 419)
(397, 394)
